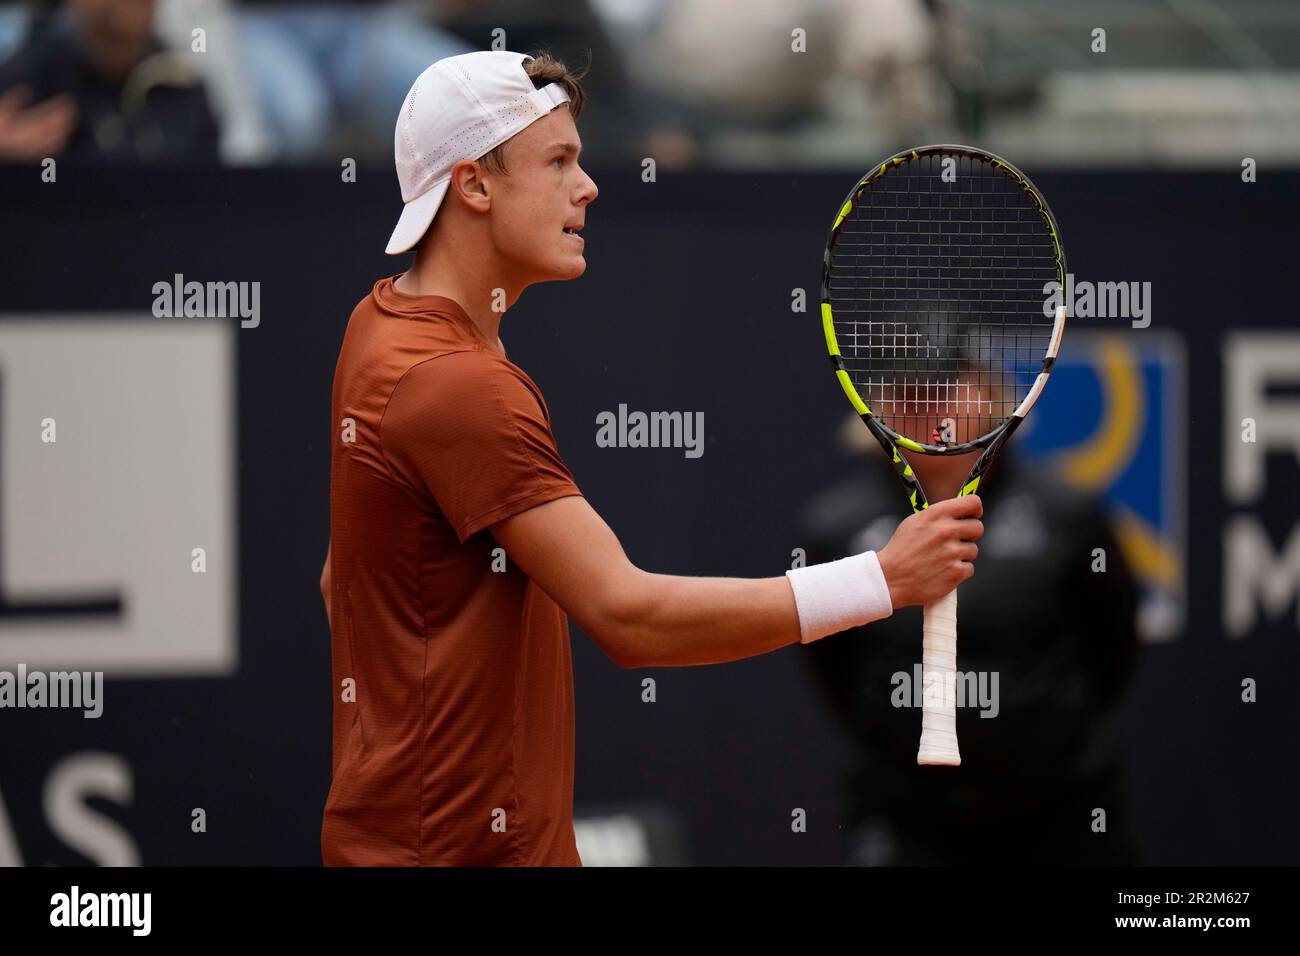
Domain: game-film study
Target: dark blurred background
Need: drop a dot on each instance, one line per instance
(137, 149)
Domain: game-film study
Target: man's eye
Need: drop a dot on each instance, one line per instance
(560, 160)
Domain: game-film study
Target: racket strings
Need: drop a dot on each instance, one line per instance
(937, 295)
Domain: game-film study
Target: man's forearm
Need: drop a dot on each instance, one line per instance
(675, 621)
(656, 620)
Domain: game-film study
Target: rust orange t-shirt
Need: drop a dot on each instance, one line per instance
(458, 747)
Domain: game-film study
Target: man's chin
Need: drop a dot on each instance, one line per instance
(560, 271)
(573, 270)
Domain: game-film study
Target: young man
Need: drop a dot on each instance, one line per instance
(459, 540)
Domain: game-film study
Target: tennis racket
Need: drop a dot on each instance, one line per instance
(934, 305)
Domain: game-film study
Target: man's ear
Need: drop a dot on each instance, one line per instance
(470, 186)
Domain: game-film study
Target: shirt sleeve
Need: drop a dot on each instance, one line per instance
(473, 432)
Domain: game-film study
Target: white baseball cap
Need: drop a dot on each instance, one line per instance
(462, 107)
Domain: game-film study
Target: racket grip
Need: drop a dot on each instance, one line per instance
(939, 684)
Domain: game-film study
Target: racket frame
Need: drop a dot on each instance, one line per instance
(889, 439)
(939, 736)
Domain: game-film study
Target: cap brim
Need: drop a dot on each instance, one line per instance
(416, 217)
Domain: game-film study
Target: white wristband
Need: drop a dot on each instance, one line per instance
(837, 595)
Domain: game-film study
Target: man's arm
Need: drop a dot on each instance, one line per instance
(642, 619)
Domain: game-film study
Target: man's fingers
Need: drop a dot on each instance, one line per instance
(967, 506)
(61, 107)
(28, 133)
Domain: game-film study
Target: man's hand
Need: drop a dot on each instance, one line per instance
(931, 551)
(32, 133)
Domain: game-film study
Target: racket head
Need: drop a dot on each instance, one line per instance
(933, 299)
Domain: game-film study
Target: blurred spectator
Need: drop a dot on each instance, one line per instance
(573, 31)
(742, 69)
(91, 82)
(290, 80)
(701, 71)
(224, 65)
(785, 66)
(1061, 640)
(332, 75)
(13, 27)
(892, 47)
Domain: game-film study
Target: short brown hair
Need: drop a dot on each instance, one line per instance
(543, 69)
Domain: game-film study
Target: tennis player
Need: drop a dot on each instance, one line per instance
(459, 539)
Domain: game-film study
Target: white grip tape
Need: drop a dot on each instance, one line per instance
(939, 684)
(837, 595)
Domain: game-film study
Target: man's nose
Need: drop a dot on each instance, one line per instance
(591, 191)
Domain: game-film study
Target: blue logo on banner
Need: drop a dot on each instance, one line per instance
(1111, 420)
